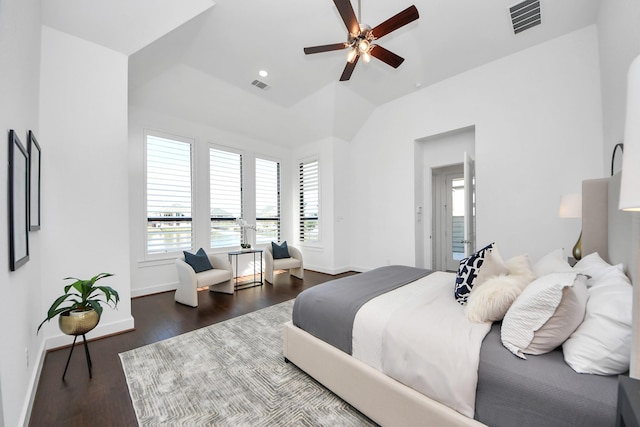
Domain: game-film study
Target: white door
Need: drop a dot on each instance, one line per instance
(448, 217)
(469, 206)
(455, 226)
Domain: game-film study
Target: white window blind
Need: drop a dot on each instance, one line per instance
(225, 179)
(267, 201)
(168, 182)
(309, 201)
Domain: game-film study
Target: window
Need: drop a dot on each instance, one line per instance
(168, 195)
(225, 179)
(309, 202)
(267, 201)
(175, 184)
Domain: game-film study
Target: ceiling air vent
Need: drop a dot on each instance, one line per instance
(525, 15)
(260, 85)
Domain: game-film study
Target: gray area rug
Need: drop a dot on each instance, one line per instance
(230, 374)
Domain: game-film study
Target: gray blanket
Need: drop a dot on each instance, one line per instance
(327, 311)
(540, 391)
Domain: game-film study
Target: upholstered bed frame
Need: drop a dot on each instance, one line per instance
(388, 402)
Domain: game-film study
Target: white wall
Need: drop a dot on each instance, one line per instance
(344, 214)
(538, 123)
(85, 200)
(19, 85)
(74, 98)
(157, 275)
(333, 254)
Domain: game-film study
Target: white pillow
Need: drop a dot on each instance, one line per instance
(493, 266)
(489, 301)
(529, 325)
(595, 267)
(553, 262)
(602, 343)
(567, 317)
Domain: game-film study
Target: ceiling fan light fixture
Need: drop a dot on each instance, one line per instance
(364, 46)
(351, 56)
(366, 57)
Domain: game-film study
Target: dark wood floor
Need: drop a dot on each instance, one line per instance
(104, 400)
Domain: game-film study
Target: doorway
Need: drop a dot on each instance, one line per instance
(435, 153)
(453, 214)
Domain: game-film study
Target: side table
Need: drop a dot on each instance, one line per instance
(254, 282)
(628, 412)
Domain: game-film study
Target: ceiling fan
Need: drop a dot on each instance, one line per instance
(361, 38)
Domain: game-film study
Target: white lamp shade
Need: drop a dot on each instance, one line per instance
(630, 184)
(571, 206)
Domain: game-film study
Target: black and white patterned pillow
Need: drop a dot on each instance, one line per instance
(468, 272)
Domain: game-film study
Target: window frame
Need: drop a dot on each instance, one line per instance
(147, 256)
(318, 242)
(243, 208)
(278, 162)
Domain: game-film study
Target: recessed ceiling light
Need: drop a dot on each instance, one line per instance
(263, 73)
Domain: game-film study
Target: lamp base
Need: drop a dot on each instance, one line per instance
(577, 248)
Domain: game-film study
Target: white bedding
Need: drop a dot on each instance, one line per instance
(421, 325)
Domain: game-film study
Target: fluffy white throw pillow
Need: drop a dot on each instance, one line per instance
(490, 300)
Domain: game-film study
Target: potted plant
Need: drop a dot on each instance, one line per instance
(244, 225)
(80, 306)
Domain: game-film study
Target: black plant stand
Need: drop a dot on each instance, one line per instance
(86, 352)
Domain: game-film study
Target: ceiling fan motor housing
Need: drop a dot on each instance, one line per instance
(362, 41)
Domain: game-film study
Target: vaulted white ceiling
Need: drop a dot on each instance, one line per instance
(196, 60)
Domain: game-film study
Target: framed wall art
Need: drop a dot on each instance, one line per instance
(18, 202)
(34, 182)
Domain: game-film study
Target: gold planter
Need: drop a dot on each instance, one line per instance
(78, 322)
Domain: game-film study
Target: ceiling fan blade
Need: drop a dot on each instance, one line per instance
(324, 48)
(386, 56)
(401, 19)
(348, 16)
(348, 69)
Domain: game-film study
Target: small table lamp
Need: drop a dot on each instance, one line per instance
(571, 207)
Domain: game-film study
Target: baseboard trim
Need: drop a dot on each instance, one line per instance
(166, 287)
(156, 289)
(361, 269)
(25, 416)
(331, 271)
(101, 331)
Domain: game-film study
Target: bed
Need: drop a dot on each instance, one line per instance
(554, 393)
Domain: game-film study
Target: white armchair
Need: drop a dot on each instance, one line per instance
(220, 279)
(294, 264)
